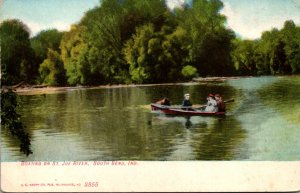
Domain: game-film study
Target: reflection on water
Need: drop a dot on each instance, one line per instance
(220, 141)
(113, 124)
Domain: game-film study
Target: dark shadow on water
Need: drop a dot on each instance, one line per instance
(188, 123)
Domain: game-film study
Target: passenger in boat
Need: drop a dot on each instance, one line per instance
(186, 103)
(211, 104)
(165, 101)
(220, 103)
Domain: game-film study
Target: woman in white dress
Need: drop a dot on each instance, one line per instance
(211, 104)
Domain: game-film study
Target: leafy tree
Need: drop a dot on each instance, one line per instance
(16, 53)
(100, 38)
(278, 50)
(262, 57)
(189, 71)
(278, 58)
(11, 119)
(142, 41)
(44, 40)
(74, 56)
(291, 37)
(136, 52)
(214, 58)
(139, 12)
(244, 57)
(155, 56)
(210, 41)
(110, 26)
(52, 69)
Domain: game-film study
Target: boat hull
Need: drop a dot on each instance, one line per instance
(169, 110)
(157, 107)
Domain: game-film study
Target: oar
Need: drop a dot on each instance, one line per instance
(198, 106)
(229, 101)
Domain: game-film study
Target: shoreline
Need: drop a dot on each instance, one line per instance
(41, 89)
(30, 90)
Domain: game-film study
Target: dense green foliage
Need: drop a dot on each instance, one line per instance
(74, 56)
(47, 39)
(10, 120)
(16, 53)
(143, 41)
(189, 71)
(47, 56)
(209, 41)
(277, 52)
(155, 56)
(52, 70)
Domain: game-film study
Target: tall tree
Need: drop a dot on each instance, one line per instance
(74, 56)
(16, 52)
(210, 41)
(291, 37)
(156, 56)
(44, 40)
(244, 57)
(110, 26)
(52, 70)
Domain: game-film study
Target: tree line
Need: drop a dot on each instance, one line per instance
(276, 52)
(143, 41)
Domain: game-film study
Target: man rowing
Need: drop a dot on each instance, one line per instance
(186, 103)
(220, 103)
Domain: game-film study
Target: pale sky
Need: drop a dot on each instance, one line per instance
(45, 14)
(248, 18)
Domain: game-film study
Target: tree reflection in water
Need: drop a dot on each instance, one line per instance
(206, 138)
(110, 124)
(220, 141)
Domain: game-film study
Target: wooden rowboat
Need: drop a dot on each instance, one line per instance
(182, 111)
(157, 107)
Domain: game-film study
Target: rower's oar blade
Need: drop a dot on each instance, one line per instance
(228, 101)
(198, 106)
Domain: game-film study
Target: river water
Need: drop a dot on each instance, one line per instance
(263, 123)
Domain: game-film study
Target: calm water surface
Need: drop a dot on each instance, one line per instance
(116, 124)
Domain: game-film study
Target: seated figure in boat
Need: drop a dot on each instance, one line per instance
(211, 104)
(220, 103)
(186, 103)
(165, 101)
